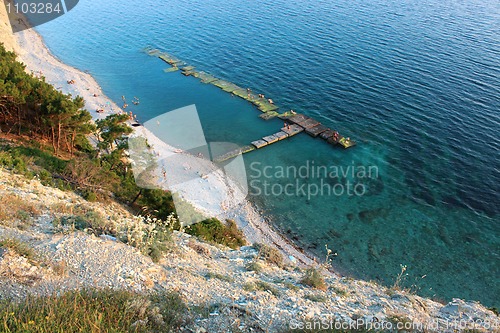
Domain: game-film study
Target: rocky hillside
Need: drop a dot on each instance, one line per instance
(46, 248)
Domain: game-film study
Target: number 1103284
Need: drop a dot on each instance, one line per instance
(34, 8)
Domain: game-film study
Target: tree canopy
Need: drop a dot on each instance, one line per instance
(29, 105)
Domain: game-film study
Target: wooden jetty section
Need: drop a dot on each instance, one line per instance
(326, 134)
(281, 135)
(292, 130)
(316, 130)
(260, 143)
(298, 122)
(285, 132)
(233, 153)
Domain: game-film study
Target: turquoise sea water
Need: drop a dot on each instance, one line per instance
(417, 84)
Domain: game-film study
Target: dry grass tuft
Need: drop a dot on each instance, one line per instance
(16, 211)
(198, 248)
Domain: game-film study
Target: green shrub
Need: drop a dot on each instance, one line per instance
(156, 250)
(157, 203)
(90, 196)
(150, 235)
(45, 177)
(212, 230)
(91, 222)
(6, 159)
(30, 161)
(313, 278)
(41, 158)
(13, 162)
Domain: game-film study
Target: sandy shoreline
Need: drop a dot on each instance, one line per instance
(31, 50)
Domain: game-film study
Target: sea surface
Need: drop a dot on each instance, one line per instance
(415, 83)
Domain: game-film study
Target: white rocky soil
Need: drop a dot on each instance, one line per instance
(207, 276)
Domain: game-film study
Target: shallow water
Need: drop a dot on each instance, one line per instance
(416, 84)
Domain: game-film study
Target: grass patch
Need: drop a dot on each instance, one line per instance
(94, 311)
(254, 266)
(269, 254)
(63, 208)
(225, 278)
(291, 286)
(313, 278)
(91, 222)
(59, 267)
(214, 231)
(19, 247)
(16, 211)
(262, 286)
(340, 291)
(316, 298)
(204, 310)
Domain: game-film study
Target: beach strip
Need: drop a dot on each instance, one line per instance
(31, 50)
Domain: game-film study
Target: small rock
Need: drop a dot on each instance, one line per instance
(450, 308)
(108, 238)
